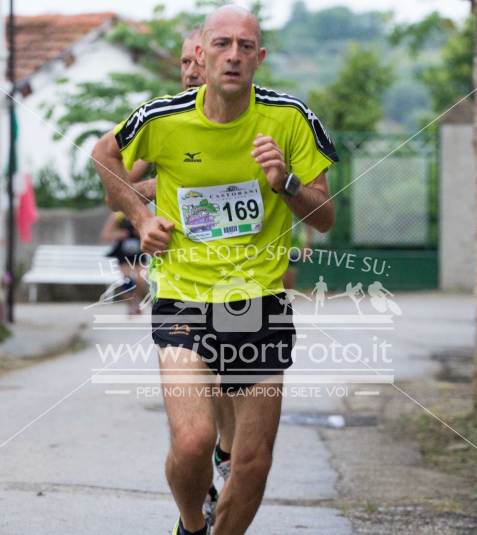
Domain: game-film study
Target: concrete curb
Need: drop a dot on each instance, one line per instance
(29, 343)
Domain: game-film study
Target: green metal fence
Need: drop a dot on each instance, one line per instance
(385, 191)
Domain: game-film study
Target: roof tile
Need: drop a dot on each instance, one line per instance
(42, 38)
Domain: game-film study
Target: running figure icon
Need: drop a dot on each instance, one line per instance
(319, 291)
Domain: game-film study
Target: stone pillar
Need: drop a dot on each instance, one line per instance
(457, 201)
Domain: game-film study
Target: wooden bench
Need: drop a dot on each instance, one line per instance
(71, 264)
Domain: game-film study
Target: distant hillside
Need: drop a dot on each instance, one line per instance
(310, 52)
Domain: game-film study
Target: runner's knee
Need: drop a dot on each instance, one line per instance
(194, 444)
(252, 464)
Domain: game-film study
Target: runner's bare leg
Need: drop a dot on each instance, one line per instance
(192, 432)
(256, 423)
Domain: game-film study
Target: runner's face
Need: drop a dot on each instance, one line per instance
(231, 53)
(192, 74)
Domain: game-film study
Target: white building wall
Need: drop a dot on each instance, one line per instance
(94, 60)
(457, 208)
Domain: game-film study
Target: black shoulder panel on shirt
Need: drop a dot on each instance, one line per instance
(152, 109)
(322, 139)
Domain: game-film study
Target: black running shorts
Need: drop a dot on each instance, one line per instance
(243, 341)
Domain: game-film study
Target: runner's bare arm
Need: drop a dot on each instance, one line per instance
(146, 190)
(139, 170)
(155, 232)
(312, 202)
(121, 194)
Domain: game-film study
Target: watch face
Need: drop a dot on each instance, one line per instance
(292, 185)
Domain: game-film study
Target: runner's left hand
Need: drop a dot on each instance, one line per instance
(270, 158)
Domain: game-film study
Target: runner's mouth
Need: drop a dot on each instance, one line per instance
(232, 74)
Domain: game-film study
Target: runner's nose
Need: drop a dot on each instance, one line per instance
(234, 54)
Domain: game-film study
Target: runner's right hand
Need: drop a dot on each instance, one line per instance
(155, 233)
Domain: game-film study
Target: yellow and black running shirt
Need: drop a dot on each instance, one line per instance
(232, 232)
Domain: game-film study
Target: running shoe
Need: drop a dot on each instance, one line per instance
(223, 467)
(210, 505)
(179, 528)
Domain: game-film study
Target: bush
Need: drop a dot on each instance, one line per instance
(85, 190)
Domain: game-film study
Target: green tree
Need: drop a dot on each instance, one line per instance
(353, 101)
(432, 31)
(451, 78)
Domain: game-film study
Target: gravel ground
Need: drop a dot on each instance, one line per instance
(415, 520)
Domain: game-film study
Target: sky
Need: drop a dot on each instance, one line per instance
(278, 10)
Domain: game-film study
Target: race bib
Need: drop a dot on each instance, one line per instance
(217, 212)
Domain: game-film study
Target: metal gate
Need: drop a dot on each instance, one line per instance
(385, 190)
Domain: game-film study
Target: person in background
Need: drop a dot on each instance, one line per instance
(126, 249)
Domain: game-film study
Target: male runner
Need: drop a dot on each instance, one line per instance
(192, 75)
(235, 161)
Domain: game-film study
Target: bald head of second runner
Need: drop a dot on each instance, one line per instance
(192, 74)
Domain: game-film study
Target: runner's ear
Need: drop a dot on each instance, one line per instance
(262, 54)
(199, 54)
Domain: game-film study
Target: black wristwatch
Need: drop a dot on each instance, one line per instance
(292, 185)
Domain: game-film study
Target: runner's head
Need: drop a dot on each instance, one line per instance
(192, 74)
(230, 50)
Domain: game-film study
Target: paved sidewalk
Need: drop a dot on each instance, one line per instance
(42, 330)
(92, 463)
(80, 460)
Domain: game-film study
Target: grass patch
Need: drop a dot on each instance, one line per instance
(370, 507)
(4, 332)
(440, 446)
